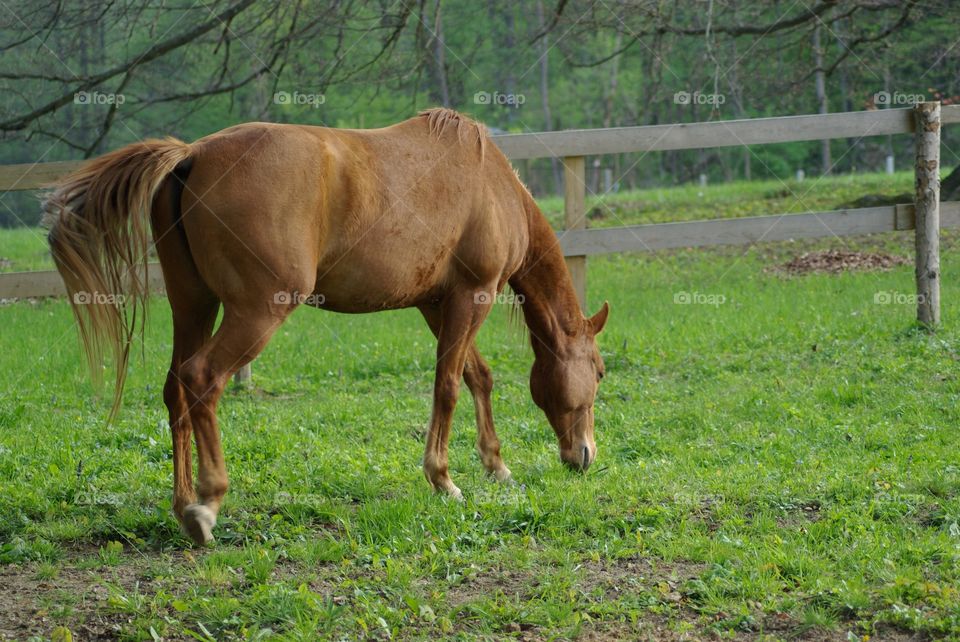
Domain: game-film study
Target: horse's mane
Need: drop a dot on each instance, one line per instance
(440, 119)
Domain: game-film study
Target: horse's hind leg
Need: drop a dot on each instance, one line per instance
(192, 326)
(194, 307)
(239, 339)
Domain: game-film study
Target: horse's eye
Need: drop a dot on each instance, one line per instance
(600, 375)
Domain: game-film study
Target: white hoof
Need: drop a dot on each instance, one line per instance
(198, 522)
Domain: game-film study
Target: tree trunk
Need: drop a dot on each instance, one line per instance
(853, 144)
(886, 89)
(608, 99)
(820, 78)
(739, 112)
(509, 45)
(545, 94)
(440, 57)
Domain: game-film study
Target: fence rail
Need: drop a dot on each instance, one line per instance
(720, 133)
(578, 243)
(749, 230)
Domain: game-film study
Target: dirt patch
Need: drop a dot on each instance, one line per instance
(614, 577)
(75, 598)
(836, 261)
(651, 627)
(657, 628)
(597, 581)
(477, 584)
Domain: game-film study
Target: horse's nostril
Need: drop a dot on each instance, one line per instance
(586, 457)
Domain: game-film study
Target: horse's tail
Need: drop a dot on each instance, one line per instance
(98, 218)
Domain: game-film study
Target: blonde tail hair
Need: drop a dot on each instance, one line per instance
(98, 220)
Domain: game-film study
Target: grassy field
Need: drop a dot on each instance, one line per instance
(730, 200)
(24, 249)
(779, 463)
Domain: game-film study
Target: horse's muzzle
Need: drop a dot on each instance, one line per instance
(579, 457)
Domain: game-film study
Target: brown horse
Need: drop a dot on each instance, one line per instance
(261, 217)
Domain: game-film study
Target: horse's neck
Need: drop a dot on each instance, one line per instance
(550, 306)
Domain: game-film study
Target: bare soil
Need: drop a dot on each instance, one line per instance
(28, 603)
(837, 261)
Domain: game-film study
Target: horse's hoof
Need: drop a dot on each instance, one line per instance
(502, 475)
(450, 490)
(198, 522)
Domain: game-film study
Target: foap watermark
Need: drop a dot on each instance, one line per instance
(699, 298)
(297, 98)
(285, 498)
(93, 496)
(98, 298)
(892, 297)
(283, 297)
(888, 99)
(496, 98)
(98, 98)
(698, 98)
(503, 298)
(514, 495)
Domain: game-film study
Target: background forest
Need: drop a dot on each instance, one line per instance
(79, 78)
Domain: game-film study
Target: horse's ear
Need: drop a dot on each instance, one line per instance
(599, 320)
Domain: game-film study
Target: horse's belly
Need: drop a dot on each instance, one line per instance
(365, 285)
(404, 261)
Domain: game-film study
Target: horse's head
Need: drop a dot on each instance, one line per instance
(564, 383)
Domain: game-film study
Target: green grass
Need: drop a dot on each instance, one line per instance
(24, 249)
(730, 200)
(783, 463)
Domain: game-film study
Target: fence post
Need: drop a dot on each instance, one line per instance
(244, 376)
(927, 208)
(575, 218)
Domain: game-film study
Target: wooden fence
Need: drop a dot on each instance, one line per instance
(926, 215)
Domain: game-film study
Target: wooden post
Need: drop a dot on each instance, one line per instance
(927, 208)
(575, 218)
(244, 376)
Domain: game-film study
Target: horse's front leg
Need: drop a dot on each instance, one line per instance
(479, 380)
(460, 317)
